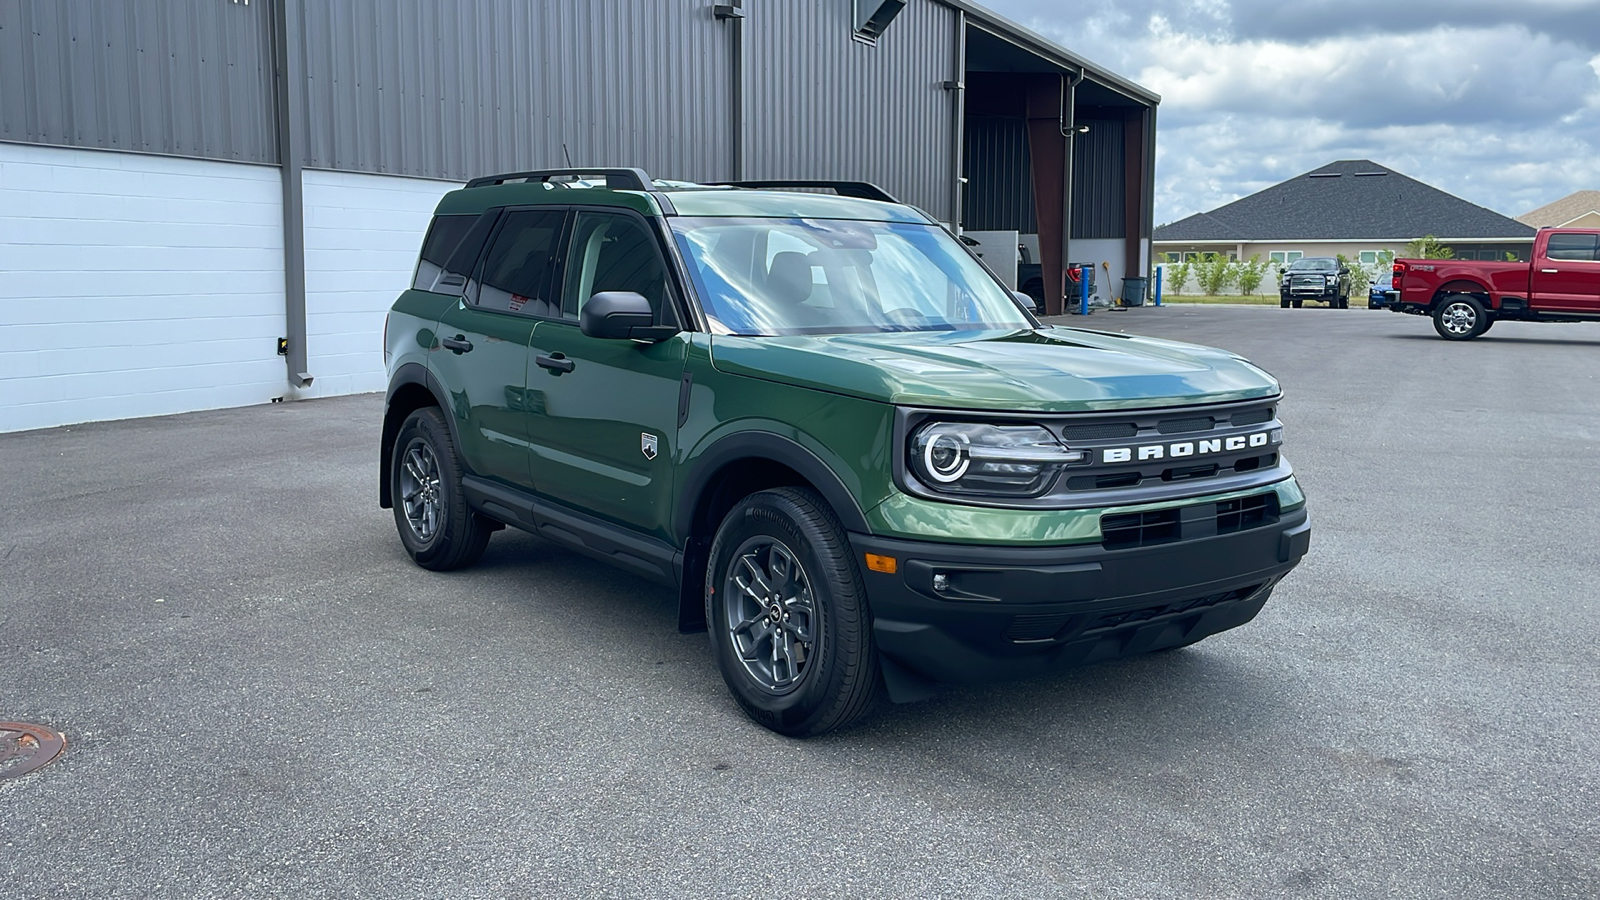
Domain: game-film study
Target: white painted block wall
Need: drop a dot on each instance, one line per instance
(363, 233)
(135, 285)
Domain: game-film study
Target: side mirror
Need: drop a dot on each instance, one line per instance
(1027, 302)
(1344, 271)
(621, 315)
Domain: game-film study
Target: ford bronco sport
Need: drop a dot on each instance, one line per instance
(863, 464)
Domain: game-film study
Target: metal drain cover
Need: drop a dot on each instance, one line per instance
(25, 747)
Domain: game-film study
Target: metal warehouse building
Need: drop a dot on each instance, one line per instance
(183, 183)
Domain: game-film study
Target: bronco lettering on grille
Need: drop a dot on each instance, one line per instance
(1186, 448)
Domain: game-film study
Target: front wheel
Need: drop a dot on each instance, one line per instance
(1460, 317)
(1283, 301)
(788, 617)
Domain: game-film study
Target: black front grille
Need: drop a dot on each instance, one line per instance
(1139, 529)
(1121, 531)
(1246, 513)
(1145, 448)
(1100, 431)
(1253, 416)
(1184, 426)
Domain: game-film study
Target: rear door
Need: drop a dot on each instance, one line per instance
(481, 355)
(604, 413)
(1566, 276)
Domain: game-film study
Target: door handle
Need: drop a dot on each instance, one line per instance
(1550, 271)
(556, 363)
(457, 345)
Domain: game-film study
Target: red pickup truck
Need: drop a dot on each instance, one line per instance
(1561, 284)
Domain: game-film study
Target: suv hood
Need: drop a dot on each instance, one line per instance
(1051, 370)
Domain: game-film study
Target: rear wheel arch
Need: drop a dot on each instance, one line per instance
(412, 388)
(1460, 286)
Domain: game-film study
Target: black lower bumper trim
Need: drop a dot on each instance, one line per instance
(962, 613)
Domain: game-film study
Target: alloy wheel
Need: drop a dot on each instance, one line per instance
(770, 613)
(1459, 318)
(420, 490)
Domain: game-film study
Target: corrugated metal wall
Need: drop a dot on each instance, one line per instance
(1099, 180)
(999, 189)
(450, 89)
(820, 105)
(998, 195)
(184, 77)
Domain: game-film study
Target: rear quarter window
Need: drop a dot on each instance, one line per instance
(444, 235)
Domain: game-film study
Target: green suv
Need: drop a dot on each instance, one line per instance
(864, 464)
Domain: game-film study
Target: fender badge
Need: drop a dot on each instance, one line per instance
(647, 445)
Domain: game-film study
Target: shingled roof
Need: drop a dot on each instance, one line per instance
(1572, 206)
(1352, 199)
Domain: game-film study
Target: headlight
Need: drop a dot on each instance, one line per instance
(976, 458)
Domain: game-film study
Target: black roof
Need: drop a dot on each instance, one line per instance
(1352, 199)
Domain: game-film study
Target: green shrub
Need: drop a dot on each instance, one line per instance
(1215, 273)
(1251, 272)
(1177, 277)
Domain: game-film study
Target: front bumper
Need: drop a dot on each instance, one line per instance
(1015, 611)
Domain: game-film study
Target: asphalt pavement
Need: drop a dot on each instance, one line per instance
(265, 698)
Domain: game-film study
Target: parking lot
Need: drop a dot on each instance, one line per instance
(264, 697)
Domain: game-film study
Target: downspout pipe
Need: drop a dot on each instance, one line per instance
(733, 13)
(1069, 116)
(291, 162)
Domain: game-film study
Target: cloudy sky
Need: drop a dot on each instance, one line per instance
(1496, 101)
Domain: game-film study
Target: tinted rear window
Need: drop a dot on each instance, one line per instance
(444, 235)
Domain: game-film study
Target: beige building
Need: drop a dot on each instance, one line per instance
(1578, 210)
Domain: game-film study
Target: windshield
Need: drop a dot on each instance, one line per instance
(830, 276)
(1314, 265)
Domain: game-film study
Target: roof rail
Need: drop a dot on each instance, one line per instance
(616, 179)
(861, 190)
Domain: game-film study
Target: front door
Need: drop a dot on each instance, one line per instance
(1567, 276)
(482, 351)
(605, 426)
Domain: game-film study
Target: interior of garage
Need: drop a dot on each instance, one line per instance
(1048, 138)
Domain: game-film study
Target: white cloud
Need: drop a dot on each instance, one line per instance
(1501, 107)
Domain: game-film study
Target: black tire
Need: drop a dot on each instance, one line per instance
(1344, 302)
(1283, 301)
(779, 554)
(1296, 303)
(436, 526)
(1460, 317)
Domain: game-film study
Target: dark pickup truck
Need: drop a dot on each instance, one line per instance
(1466, 297)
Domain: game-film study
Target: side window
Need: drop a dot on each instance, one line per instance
(1572, 246)
(458, 268)
(517, 273)
(443, 237)
(613, 252)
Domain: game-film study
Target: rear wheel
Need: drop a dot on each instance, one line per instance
(1460, 317)
(788, 617)
(436, 526)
